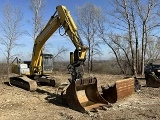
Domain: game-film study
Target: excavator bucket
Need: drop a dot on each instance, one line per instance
(82, 95)
(152, 80)
(119, 90)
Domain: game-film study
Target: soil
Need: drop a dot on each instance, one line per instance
(19, 104)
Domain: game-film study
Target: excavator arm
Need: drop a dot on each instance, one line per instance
(61, 18)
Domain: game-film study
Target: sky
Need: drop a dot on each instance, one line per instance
(56, 41)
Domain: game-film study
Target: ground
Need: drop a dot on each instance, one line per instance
(18, 104)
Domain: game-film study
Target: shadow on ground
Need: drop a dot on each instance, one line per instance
(53, 98)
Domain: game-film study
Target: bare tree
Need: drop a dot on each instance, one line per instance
(147, 15)
(11, 31)
(120, 19)
(152, 50)
(60, 52)
(110, 45)
(120, 48)
(134, 21)
(37, 8)
(88, 17)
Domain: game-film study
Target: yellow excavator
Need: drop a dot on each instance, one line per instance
(81, 94)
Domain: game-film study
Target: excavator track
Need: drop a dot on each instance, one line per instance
(31, 84)
(24, 82)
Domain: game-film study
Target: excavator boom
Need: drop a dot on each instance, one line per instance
(61, 18)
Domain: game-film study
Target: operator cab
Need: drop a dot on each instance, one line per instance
(47, 64)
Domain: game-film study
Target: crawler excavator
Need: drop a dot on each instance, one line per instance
(152, 75)
(81, 93)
